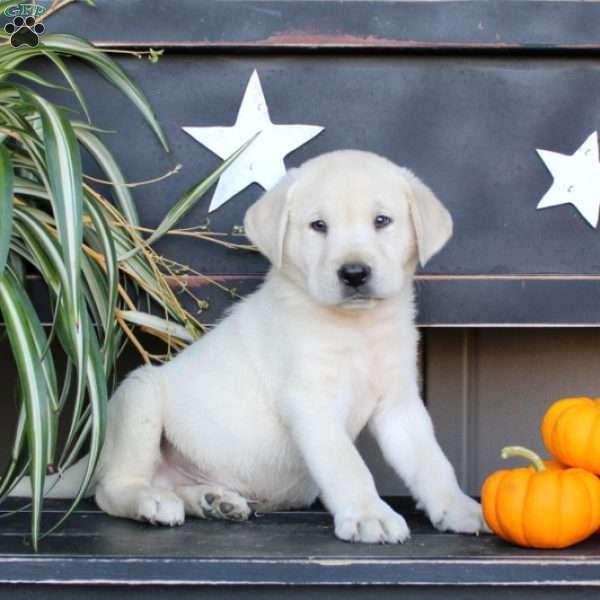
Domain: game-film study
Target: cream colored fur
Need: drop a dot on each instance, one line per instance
(263, 411)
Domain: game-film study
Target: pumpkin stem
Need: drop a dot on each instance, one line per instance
(511, 451)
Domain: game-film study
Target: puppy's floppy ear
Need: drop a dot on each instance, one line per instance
(266, 220)
(431, 220)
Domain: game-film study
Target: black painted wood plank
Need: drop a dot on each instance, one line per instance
(295, 548)
(511, 301)
(360, 25)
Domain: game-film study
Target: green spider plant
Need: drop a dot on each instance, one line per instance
(98, 270)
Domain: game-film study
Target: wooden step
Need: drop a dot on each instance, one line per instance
(291, 549)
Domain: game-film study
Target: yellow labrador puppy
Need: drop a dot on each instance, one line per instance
(263, 412)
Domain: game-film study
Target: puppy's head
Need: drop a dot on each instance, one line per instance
(349, 227)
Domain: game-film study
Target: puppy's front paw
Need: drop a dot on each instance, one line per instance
(378, 524)
(459, 513)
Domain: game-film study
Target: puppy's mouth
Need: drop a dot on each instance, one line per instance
(360, 301)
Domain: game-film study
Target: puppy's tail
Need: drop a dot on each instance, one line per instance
(61, 485)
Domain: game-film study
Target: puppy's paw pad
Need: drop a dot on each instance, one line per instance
(215, 503)
(226, 507)
(209, 499)
(233, 507)
(160, 507)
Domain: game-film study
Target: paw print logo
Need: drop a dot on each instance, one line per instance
(24, 32)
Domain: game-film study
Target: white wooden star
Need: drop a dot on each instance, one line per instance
(576, 179)
(262, 162)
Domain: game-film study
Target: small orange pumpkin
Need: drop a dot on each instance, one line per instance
(541, 506)
(571, 432)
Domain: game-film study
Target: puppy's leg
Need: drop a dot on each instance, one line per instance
(213, 502)
(346, 486)
(405, 434)
(132, 452)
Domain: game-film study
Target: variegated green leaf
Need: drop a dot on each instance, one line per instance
(110, 167)
(65, 179)
(12, 57)
(35, 394)
(6, 204)
(47, 258)
(31, 76)
(96, 288)
(110, 262)
(44, 249)
(19, 459)
(27, 187)
(98, 399)
(76, 46)
(48, 370)
(157, 323)
(55, 58)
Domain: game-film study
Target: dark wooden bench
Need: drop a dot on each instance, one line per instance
(291, 553)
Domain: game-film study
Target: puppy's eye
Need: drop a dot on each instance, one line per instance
(382, 221)
(319, 225)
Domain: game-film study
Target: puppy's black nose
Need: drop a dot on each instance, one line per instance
(354, 274)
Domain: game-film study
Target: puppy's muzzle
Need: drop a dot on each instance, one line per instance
(354, 275)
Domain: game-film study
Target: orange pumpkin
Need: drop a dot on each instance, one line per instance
(571, 432)
(541, 506)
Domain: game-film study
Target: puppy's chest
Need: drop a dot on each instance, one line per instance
(361, 382)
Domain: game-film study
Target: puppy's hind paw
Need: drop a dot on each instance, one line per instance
(226, 505)
(213, 502)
